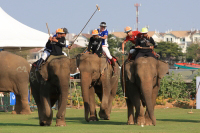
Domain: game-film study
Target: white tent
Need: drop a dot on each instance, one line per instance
(14, 34)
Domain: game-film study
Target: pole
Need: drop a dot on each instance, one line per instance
(137, 13)
(48, 29)
(123, 77)
(98, 8)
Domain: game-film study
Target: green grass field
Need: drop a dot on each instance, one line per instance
(173, 120)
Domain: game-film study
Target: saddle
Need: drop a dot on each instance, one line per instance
(108, 60)
(132, 56)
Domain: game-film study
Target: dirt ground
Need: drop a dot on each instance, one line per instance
(174, 104)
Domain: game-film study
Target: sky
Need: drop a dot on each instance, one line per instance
(160, 15)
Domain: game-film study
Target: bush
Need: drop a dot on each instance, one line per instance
(170, 100)
(173, 86)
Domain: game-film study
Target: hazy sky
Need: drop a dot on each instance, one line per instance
(73, 14)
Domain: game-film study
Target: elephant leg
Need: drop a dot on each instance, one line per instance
(22, 106)
(101, 112)
(93, 115)
(61, 120)
(46, 107)
(133, 94)
(18, 106)
(86, 81)
(40, 111)
(130, 112)
(36, 96)
(62, 102)
(105, 97)
(111, 97)
(148, 121)
(140, 118)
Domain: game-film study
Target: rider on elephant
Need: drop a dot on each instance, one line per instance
(131, 36)
(95, 44)
(103, 34)
(142, 43)
(54, 46)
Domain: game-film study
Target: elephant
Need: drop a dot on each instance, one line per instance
(50, 84)
(141, 83)
(97, 76)
(14, 77)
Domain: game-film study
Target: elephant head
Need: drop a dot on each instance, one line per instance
(44, 68)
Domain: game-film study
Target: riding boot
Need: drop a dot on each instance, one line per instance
(39, 63)
(113, 64)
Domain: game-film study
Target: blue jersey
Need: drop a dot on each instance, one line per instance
(102, 34)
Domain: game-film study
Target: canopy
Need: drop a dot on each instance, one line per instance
(14, 34)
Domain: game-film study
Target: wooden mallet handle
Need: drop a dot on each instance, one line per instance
(48, 29)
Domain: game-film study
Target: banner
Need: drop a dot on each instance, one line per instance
(197, 92)
(12, 98)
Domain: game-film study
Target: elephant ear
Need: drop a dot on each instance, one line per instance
(129, 71)
(73, 66)
(44, 71)
(163, 68)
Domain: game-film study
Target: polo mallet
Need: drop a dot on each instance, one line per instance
(123, 76)
(48, 29)
(98, 8)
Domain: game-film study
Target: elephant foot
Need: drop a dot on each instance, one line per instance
(140, 120)
(25, 112)
(93, 118)
(148, 121)
(60, 123)
(21, 112)
(130, 123)
(14, 112)
(104, 116)
(44, 123)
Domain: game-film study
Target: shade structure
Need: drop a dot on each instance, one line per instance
(15, 35)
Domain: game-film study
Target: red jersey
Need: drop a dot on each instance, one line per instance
(133, 37)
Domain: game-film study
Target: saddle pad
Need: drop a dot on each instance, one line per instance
(51, 57)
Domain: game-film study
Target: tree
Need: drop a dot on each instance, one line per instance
(113, 43)
(168, 50)
(115, 46)
(193, 52)
(74, 51)
(22, 53)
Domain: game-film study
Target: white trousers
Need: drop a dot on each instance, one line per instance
(106, 50)
(46, 54)
(132, 51)
(64, 53)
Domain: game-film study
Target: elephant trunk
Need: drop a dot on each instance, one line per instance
(86, 80)
(147, 87)
(64, 85)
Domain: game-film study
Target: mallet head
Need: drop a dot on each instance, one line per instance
(98, 7)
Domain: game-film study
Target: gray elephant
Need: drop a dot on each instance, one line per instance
(97, 77)
(51, 84)
(142, 83)
(14, 77)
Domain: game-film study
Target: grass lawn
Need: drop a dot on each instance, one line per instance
(172, 120)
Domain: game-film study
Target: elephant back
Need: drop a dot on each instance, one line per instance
(13, 65)
(44, 68)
